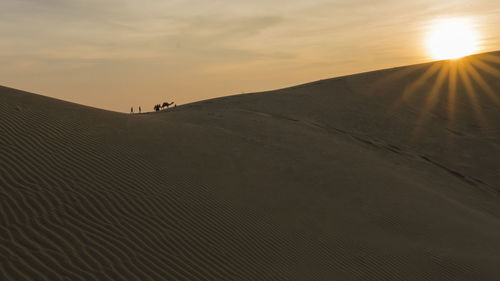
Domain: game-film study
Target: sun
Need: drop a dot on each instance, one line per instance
(452, 39)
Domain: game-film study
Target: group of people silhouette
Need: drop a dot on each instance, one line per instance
(132, 110)
(156, 107)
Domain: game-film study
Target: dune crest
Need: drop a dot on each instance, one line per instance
(387, 175)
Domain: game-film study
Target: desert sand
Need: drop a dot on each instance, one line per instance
(386, 175)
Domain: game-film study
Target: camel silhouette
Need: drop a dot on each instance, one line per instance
(166, 104)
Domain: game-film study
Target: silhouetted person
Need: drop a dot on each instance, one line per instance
(131, 110)
(139, 110)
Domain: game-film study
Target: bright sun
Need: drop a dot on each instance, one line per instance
(452, 39)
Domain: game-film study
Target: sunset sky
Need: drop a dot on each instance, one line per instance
(114, 54)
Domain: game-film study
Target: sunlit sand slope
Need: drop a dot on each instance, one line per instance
(388, 175)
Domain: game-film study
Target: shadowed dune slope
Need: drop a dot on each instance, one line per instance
(387, 175)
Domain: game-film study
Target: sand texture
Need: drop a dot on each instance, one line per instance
(387, 175)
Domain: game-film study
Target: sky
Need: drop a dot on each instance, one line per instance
(114, 54)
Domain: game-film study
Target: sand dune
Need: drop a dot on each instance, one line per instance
(387, 175)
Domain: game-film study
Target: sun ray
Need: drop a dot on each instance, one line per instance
(420, 81)
(483, 84)
(486, 67)
(397, 74)
(452, 92)
(451, 86)
(491, 58)
(451, 108)
(431, 100)
(471, 93)
(414, 86)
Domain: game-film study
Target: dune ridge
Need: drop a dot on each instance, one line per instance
(377, 176)
(62, 199)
